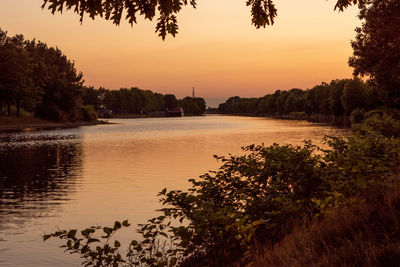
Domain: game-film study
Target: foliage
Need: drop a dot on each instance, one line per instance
(105, 253)
(15, 71)
(386, 122)
(257, 198)
(336, 98)
(88, 113)
(376, 47)
(263, 12)
(170, 101)
(356, 116)
(193, 105)
(38, 78)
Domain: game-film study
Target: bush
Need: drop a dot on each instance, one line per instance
(88, 113)
(257, 198)
(356, 116)
(381, 122)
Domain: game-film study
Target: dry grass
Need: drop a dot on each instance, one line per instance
(366, 234)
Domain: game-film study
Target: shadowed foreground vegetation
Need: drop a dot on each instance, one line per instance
(364, 234)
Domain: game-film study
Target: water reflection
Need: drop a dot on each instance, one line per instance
(35, 179)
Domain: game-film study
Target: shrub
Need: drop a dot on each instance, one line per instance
(258, 197)
(88, 113)
(356, 116)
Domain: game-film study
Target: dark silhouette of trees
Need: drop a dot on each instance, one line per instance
(338, 98)
(377, 48)
(60, 83)
(263, 12)
(354, 95)
(15, 71)
(136, 101)
(39, 79)
(170, 101)
(193, 105)
(335, 97)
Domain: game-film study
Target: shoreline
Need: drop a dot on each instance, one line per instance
(315, 118)
(33, 127)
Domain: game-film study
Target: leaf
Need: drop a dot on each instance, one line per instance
(107, 230)
(125, 223)
(71, 233)
(117, 225)
(117, 244)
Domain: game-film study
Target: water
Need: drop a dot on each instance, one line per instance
(94, 175)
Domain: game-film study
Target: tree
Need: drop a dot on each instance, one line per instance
(170, 101)
(263, 12)
(377, 48)
(335, 97)
(15, 70)
(354, 95)
(59, 81)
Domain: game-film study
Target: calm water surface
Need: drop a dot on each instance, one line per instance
(94, 175)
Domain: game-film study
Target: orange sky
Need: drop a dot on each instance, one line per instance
(217, 50)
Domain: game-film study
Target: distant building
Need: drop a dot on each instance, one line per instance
(174, 112)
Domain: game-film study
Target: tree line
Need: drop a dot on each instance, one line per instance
(41, 80)
(338, 98)
(38, 78)
(137, 101)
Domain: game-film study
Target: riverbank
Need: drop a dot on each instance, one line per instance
(342, 121)
(26, 124)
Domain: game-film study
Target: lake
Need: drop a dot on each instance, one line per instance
(94, 175)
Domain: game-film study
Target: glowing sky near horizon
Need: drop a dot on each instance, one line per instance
(217, 49)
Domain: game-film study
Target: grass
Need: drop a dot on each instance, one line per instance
(364, 234)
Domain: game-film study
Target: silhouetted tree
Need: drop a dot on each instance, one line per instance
(59, 81)
(170, 101)
(354, 95)
(335, 97)
(15, 71)
(377, 47)
(193, 105)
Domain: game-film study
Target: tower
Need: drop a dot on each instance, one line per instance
(193, 94)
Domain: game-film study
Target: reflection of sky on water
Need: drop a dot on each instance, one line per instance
(94, 175)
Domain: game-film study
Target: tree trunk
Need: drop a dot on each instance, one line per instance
(8, 109)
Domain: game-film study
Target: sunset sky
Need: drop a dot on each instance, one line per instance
(217, 49)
